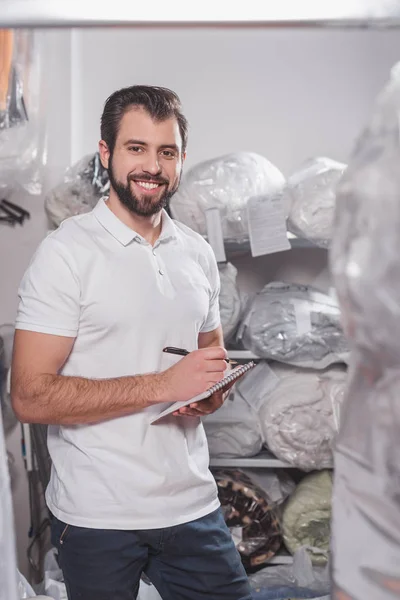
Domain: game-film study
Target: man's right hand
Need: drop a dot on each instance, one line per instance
(195, 373)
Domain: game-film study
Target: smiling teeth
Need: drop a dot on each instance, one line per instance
(147, 186)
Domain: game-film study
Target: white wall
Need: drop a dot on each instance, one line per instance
(287, 94)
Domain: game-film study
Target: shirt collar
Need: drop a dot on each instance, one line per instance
(124, 234)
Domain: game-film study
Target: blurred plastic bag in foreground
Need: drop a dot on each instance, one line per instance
(365, 262)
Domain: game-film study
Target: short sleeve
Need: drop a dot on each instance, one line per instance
(213, 318)
(49, 293)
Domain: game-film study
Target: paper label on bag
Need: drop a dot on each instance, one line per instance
(302, 315)
(214, 233)
(267, 225)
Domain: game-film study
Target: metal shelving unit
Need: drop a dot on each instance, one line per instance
(234, 248)
(263, 460)
(287, 13)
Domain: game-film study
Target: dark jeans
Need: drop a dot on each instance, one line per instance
(193, 561)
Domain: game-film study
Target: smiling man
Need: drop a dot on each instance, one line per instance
(102, 297)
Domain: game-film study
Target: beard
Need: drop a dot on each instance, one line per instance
(143, 205)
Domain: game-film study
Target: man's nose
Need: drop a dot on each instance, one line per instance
(151, 163)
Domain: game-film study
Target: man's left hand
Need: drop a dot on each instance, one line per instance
(204, 407)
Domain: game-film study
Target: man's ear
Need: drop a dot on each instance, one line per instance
(104, 153)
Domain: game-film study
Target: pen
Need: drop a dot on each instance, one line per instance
(183, 352)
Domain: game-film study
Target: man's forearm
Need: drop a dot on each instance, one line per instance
(63, 400)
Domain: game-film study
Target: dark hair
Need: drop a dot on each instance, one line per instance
(160, 103)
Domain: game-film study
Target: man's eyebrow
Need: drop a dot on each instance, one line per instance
(141, 143)
(171, 146)
(134, 142)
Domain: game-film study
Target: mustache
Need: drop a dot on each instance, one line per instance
(147, 177)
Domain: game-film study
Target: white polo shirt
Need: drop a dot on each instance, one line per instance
(124, 300)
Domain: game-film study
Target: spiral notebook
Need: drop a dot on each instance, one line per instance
(233, 375)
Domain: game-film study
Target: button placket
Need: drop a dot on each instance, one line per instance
(154, 253)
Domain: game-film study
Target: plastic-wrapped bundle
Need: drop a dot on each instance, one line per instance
(249, 508)
(22, 114)
(294, 324)
(299, 580)
(230, 305)
(366, 268)
(6, 341)
(226, 183)
(306, 517)
(8, 567)
(299, 414)
(310, 195)
(84, 184)
(233, 430)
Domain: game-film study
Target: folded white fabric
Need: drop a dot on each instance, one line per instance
(306, 517)
(234, 430)
(294, 324)
(230, 305)
(310, 194)
(226, 183)
(299, 415)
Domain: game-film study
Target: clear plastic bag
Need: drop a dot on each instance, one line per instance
(299, 580)
(233, 430)
(310, 194)
(8, 567)
(6, 343)
(366, 269)
(300, 415)
(148, 592)
(294, 324)
(251, 515)
(25, 590)
(230, 302)
(306, 519)
(53, 585)
(83, 185)
(22, 111)
(226, 183)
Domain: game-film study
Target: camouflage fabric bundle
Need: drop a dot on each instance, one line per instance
(249, 508)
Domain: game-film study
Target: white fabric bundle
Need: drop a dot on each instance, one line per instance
(310, 195)
(230, 305)
(299, 414)
(294, 324)
(226, 183)
(233, 430)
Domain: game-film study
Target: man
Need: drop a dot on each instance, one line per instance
(103, 295)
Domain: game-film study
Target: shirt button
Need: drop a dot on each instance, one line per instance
(154, 252)
(161, 272)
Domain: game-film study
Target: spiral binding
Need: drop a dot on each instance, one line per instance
(233, 375)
